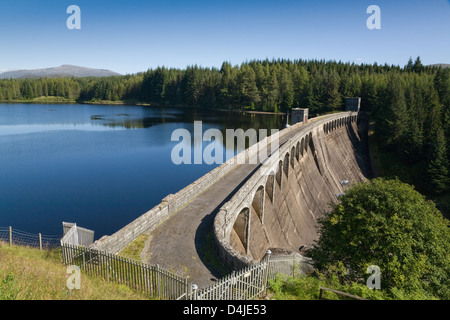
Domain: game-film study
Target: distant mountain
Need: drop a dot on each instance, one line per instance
(58, 72)
(442, 65)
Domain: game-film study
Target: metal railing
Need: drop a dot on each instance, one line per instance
(246, 284)
(151, 280)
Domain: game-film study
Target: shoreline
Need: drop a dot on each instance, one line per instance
(132, 103)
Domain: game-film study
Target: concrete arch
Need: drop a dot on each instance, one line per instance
(279, 174)
(258, 203)
(297, 151)
(270, 186)
(242, 228)
(292, 161)
(286, 164)
(306, 143)
(302, 146)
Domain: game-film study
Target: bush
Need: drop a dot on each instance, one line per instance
(388, 224)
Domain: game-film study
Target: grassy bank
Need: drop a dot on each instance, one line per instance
(43, 99)
(308, 288)
(32, 274)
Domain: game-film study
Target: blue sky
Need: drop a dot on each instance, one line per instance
(134, 35)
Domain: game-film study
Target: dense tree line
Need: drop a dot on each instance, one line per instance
(412, 116)
(409, 104)
(269, 85)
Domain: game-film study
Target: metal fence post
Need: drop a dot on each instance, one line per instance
(40, 241)
(266, 272)
(194, 288)
(10, 236)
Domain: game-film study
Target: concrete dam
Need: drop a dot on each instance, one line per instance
(245, 209)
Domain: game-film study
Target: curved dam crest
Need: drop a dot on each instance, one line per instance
(249, 208)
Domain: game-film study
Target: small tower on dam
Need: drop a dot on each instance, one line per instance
(299, 115)
(352, 104)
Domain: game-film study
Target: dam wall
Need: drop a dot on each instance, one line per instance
(279, 206)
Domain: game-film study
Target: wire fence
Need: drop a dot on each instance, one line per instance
(11, 236)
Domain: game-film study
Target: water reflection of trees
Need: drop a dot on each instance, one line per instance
(220, 120)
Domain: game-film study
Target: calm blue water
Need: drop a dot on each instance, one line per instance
(99, 166)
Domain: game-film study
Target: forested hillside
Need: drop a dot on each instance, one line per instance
(409, 105)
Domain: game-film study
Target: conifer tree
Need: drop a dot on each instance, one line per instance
(437, 167)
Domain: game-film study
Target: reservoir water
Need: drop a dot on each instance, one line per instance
(100, 166)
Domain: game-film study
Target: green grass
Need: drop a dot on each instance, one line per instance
(308, 288)
(134, 249)
(31, 274)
